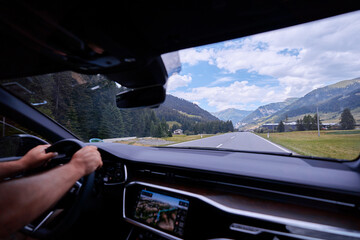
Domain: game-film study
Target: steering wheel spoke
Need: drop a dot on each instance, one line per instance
(47, 218)
(65, 212)
(35, 225)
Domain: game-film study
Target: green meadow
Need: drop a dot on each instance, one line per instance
(340, 144)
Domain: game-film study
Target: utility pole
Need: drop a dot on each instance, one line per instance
(318, 120)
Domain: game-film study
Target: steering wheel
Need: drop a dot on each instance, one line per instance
(40, 228)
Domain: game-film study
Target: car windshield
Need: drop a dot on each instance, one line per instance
(294, 90)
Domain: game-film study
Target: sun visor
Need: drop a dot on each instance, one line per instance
(151, 73)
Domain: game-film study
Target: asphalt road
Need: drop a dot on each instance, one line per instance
(245, 141)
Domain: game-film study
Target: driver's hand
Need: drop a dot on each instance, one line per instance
(87, 159)
(36, 157)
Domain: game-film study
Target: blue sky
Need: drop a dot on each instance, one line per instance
(269, 67)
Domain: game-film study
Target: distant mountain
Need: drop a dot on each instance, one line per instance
(186, 108)
(233, 114)
(267, 110)
(179, 113)
(330, 101)
(339, 103)
(179, 110)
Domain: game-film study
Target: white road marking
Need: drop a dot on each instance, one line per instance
(232, 137)
(218, 145)
(273, 144)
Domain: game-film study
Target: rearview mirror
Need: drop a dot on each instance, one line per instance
(141, 97)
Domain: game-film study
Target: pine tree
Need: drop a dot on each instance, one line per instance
(158, 131)
(281, 127)
(347, 120)
(300, 125)
(72, 119)
(307, 121)
(152, 129)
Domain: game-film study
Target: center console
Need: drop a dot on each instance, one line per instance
(151, 208)
(169, 211)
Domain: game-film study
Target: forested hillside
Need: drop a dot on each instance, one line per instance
(186, 108)
(86, 106)
(190, 117)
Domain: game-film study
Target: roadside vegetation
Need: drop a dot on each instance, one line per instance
(340, 144)
(186, 138)
(86, 105)
(340, 141)
(164, 141)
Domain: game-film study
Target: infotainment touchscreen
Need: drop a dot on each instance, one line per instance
(162, 211)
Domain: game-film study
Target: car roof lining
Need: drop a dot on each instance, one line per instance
(145, 29)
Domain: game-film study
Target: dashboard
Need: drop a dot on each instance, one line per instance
(164, 201)
(113, 173)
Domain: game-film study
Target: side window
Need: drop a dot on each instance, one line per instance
(15, 140)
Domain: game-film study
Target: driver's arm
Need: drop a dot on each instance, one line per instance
(34, 158)
(24, 199)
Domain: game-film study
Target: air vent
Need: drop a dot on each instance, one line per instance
(292, 232)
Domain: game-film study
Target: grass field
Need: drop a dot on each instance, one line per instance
(172, 123)
(186, 138)
(340, 144)
(151, 142)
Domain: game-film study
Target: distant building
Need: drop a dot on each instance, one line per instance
(273, 126)
(270, 126)
(178, 132)
(292, 126)
(329, 125)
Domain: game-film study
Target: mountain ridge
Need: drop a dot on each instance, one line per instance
(233, 114)
(267, 110)
(181, 106)
(330, 101)
(319, 98)
(191, 118)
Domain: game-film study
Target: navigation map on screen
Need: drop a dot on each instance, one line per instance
(162, 211)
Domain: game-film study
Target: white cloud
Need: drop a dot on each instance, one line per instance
(327, 51)
(222, 80)
(301, 58)
(237, 95)
(176, 80)
(193, 56)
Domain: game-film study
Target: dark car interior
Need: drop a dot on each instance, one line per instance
(221, 194)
